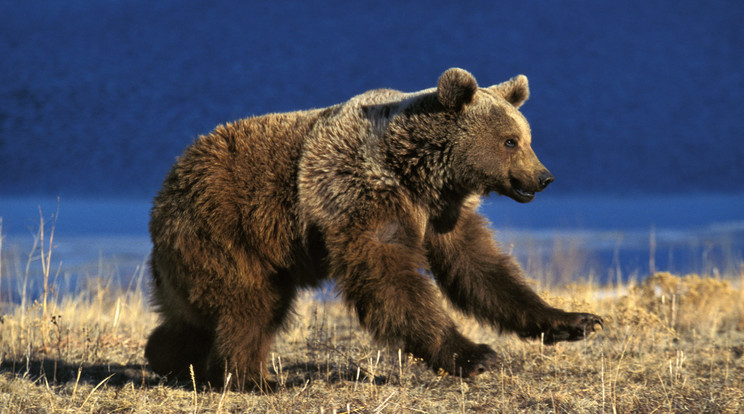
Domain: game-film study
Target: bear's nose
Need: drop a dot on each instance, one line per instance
(545, 179)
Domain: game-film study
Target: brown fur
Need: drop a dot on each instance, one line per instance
(368, 193)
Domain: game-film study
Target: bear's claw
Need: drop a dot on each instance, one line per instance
(574, 327)
(478, 361)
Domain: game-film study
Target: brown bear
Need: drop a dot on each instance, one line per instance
(379, 194)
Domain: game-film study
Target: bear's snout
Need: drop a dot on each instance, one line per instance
(544, 179)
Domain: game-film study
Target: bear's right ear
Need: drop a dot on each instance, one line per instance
(516, 90)
(456, 87)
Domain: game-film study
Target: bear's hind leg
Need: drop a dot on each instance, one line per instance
(241, 349)
(172, 347)
(244, 336)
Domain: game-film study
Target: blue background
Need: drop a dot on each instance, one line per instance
(636, 106)
(98, 97)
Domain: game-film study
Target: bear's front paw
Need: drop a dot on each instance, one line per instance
(573, 327)
(475, 361)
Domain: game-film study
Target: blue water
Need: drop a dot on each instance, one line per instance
(617, 237)
(604, 239)
(636, 107)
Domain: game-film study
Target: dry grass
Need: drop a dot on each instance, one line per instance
(670, 344)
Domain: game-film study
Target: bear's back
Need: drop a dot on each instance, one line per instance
(235, 188)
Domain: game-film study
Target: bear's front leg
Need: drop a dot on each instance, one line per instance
(484, 282)
(378, 270)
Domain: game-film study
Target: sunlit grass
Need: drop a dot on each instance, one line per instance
(670, 344)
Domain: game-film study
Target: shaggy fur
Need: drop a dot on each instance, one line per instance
(368, 192)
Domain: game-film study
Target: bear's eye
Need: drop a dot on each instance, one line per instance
(510, 143)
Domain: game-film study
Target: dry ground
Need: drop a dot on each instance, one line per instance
(670, 344)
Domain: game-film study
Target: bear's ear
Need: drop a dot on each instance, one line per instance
(516, 90)
(456, 88)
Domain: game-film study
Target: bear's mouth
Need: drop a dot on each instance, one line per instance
(520, 194)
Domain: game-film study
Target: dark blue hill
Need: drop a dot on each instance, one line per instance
(98, 97)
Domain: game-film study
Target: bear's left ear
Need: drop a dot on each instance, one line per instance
(456, 87)
(516, 90)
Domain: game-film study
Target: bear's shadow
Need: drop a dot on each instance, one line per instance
(60, 372)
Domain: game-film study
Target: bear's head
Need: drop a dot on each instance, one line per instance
(491, 139)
